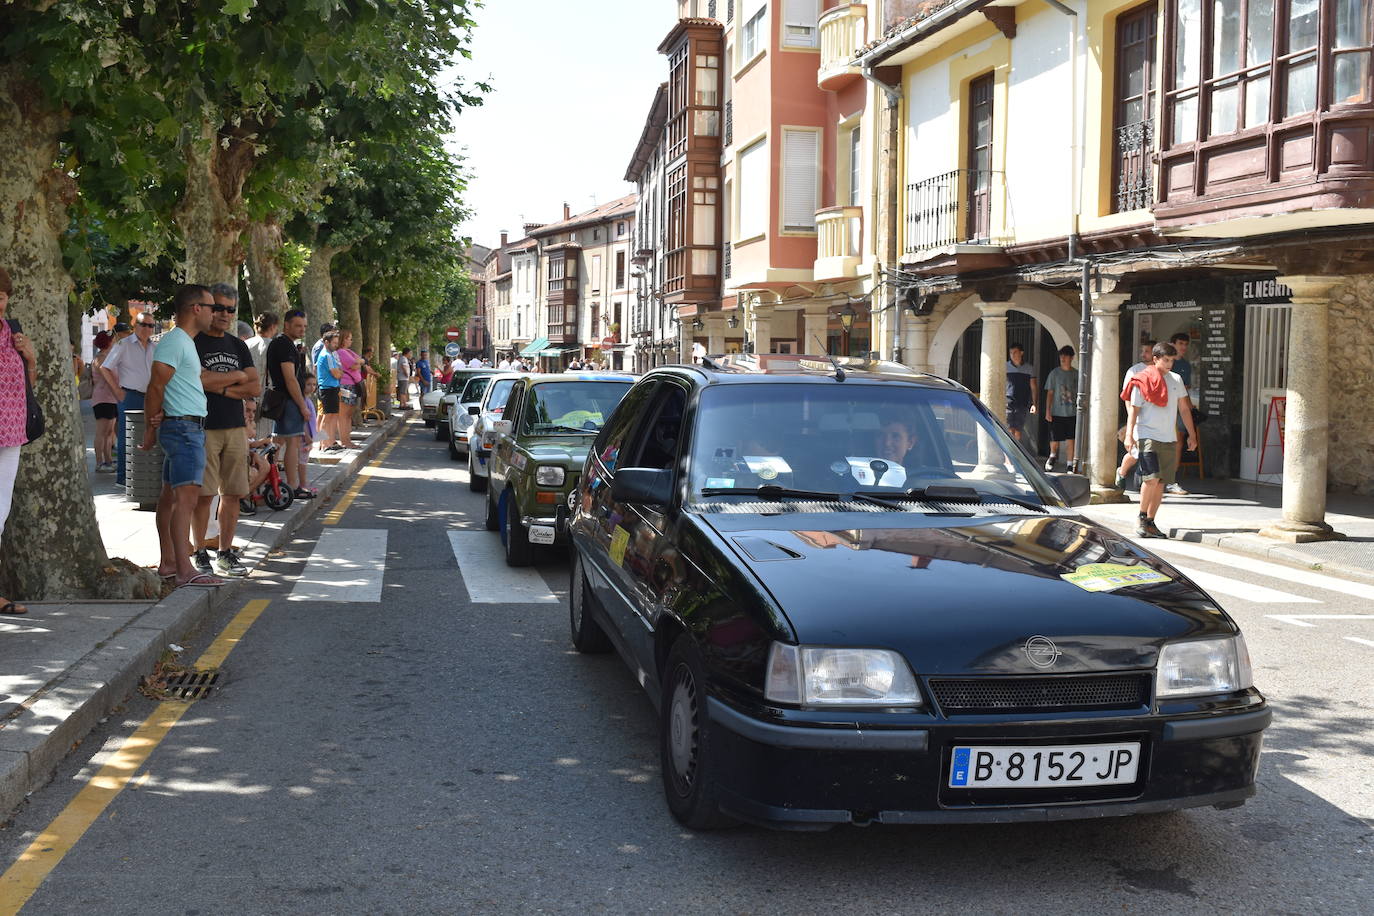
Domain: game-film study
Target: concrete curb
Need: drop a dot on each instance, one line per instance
(61, 713)
(1275, 551)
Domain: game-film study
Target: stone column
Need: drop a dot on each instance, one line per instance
(916, 345)
(992, 366)
(684, 340)
(1307, 423)
(715, 335)
(761, 327)
(815, 317)
(1104, 397)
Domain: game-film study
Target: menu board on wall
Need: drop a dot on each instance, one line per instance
(1218, 337)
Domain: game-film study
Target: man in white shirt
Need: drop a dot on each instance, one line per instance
(266, 323)
(1128, 460)
(127, 370)
(504, 365)
(1156, 398)
(475, 363)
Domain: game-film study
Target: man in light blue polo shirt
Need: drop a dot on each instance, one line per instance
(175, 413)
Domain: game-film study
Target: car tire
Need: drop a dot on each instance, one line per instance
(493, 520)
(588, 636)
(440, 431)
(476, 482)
(452, 449)
(686, 745)
(519, 550)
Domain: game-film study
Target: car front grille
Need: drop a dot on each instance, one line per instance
(1031, 694)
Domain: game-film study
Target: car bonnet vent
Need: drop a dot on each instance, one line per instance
(761, 550)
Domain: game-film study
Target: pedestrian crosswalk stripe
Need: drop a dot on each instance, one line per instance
(1301, 620)
(1363, 642)
(347, 566)
(1266, 568)
(1246, 591)
(488, 579)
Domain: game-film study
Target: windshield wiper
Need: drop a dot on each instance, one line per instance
(549, 427)
(772, 491)
(954, 495)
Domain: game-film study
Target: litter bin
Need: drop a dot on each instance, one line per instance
(143, 474)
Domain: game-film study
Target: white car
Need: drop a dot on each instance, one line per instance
(482, 436)
(459, 410)
(434, 406)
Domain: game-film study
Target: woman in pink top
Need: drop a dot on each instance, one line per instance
(104, 406)
(16, 361)
(352, 365)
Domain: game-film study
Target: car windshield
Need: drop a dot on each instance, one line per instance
(851, 437)
(571, 407)
(474, 389)
(500, 393)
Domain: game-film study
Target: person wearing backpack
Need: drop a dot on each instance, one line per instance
(18, 372)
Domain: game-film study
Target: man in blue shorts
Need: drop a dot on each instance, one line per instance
(175, 412)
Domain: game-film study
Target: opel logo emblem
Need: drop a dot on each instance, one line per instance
(1040, 652)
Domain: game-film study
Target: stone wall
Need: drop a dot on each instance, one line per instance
(1352, 386)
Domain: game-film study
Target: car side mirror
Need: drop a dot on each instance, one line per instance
(502, 427)
(649, 486)
(1075, 488)
(474, 409)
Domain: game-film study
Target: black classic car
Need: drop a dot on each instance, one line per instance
(855, 599)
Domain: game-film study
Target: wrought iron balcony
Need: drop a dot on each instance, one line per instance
(956, 208)
(844, 31)
(1135, 171)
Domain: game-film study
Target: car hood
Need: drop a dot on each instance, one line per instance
(966, 597)
(571, 454)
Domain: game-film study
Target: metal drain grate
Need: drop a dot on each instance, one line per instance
(191, 685)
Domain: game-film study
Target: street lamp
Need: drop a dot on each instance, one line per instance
(732, 321)
(847, 316)
(697, 324)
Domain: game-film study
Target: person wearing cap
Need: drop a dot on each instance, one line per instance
(104, 404)
(127, 369)
(1061, 406)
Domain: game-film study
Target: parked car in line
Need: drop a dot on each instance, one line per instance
(460, 410)
(433, 406)
(482, 436)
(855, 599)
(543, 435)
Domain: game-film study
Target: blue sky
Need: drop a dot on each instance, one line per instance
(573, 80)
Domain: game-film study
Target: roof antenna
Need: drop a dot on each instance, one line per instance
(839, 370)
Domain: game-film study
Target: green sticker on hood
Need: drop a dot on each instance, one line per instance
(1106, 577)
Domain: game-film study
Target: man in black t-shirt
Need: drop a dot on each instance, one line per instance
(228, 376)
(286, 374)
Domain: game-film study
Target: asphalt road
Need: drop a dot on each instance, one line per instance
(383, 744)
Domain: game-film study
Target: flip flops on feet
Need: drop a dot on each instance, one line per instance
(304, 493)
(202, 580)
(13, 608)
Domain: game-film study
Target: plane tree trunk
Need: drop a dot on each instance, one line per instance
(266, 281)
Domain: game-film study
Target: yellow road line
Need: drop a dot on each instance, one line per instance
(338, 511)
(23, 878)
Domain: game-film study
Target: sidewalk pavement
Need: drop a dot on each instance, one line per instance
(67, 664)
(1230, 513)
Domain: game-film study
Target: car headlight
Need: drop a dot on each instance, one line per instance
(824, 676)
(549, 476)
(465, 420)
(1203, 666)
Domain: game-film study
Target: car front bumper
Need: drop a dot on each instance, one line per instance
(899, 776)
(550, 517)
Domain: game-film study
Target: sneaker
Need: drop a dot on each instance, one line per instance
(229, 564)
(1049, 463)
(1146, 528)
(1175, 490)
(201, 558)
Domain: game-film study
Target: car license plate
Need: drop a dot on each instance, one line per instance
(541, 534)
(1038, 766)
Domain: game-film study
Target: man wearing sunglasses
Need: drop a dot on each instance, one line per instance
(228, 377)
(127, 369)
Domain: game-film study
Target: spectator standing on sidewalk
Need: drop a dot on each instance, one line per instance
(1156, 399)
(17, 362)
(1023, 390)
(319, 344)
(329, 371)
(400, 371)
(104, 404)
(350, 386)
(426, 374)
(1184, 370)
(286, 373)
(1061, 395)
(176, 417)
(127, 370)
(266, 325)
(229, 377)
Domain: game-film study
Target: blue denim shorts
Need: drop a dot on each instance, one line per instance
(183, 448)
(291, 422)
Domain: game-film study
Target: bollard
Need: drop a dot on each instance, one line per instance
(143, 473)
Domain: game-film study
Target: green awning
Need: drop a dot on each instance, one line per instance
(535, 346)
(555, 351)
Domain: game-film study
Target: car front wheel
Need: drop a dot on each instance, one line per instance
(519, 550)
(476, 482)
(587, 635)
(440, 431)
(686, 749)
(493, 519)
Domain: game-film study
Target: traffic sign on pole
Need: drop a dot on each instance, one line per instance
(454, 333)
(452, 351)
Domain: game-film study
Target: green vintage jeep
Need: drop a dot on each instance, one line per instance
(542, 441)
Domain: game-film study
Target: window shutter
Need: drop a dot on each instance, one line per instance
(753, 190)
(799, 179)
(800, 22)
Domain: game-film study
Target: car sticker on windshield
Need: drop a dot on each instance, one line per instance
(766, 467)
(1106, 577)
(720, 481)
(867, 470)
(620, 539)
